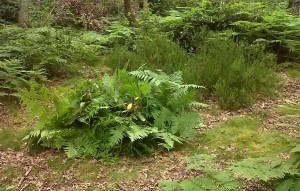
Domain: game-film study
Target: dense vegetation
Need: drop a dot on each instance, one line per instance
(166, 58)
(127, 112)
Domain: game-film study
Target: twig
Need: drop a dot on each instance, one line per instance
(23, 178)
(24, 187)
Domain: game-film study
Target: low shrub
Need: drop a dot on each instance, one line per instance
(130, 113)
(151, 52)
(237, 73)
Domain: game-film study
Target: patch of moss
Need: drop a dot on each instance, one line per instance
(52, 176)
(31, 187)
(60, 164)
(241, 138)
(87, 166)
(8, 174)
(11, 137)
(91, 177)
(263, 113)
(128, 175)
(87, 170)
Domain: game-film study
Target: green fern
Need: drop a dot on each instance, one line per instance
(282, 175)
(51, 50)
(14, 76)
(120, 114)
(265, 168)
(215, 179)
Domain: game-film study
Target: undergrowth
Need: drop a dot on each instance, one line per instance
(151, 52)
(56, 51)
(14, 77)
(275, 173)
(237, 73)
(129, 113)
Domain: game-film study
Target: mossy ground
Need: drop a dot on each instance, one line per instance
(7, 176)
(11, 137)
(241, 137)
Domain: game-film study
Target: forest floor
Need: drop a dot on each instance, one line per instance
(250, 132)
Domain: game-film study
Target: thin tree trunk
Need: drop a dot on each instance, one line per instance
(23, 18)
(130, 13)
(293, 7)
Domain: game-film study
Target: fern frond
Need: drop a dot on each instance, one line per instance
(117, 135)
(70, 150)
(181, 128)
(203, 162)
(168, 185)
(168, 139)
(136, 132)
(198, 104)
(264, 168)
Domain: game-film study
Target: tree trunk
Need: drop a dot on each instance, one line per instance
(23, 18)
(293, 7)
(130, 13)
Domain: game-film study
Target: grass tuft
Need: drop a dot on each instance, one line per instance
(294, 73)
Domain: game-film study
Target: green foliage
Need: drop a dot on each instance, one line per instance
(274, 172)
(161, 7)
(261, 168)
(282, 175)
(253, 21)
(8, 11)
(128, 113)
(294, 73)
(35, 98)
(292, 110)
(13, 76)
(277, 28)
(238, 74)
(152, 52)
(215, 179)
(57, 51)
